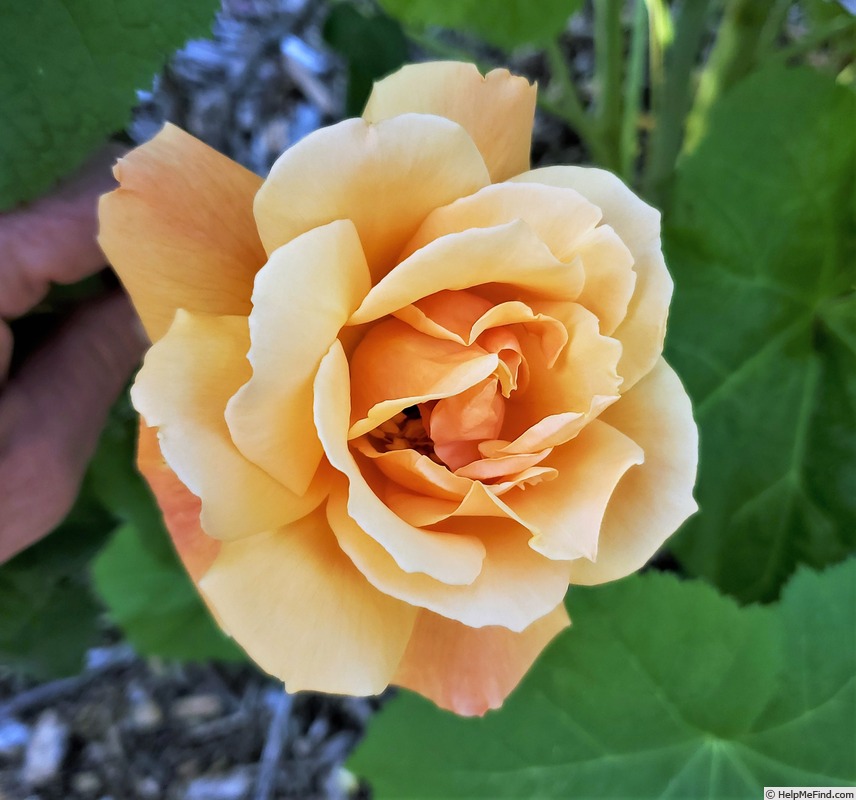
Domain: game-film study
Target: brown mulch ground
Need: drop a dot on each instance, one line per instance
(127, 728)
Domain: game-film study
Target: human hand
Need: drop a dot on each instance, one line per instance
(54, 403)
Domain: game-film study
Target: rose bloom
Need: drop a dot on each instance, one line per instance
(405, 390)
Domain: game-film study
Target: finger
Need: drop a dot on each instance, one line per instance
(53, 239)
(52, 412)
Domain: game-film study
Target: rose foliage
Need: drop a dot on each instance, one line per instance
(405, 389)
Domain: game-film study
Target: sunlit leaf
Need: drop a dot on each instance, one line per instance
(761, 242)
(68, 76)
(661, 688)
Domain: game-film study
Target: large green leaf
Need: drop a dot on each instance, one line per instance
(661, 688)
(138, 574)
(505, 23)
(68, 74)
(760, 240)
(48, 615)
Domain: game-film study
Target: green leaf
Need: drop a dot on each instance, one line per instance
(68, 74)
(761, 244)
(504, 23)
(373, 44)
(661, 688)
(138, 574)
(48, 615)
(119, 486)
(820, 12)
(154, 602)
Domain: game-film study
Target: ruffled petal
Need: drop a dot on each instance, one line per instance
(561, 399)
(497, 110)
(528, 477)
(180, 230)
(471, 670)
(183, 387)
(395, 367)
(552, 334)
(638, 225)
(385, 178)
(466, 419)
(515, 587)
(302, 298)
(445, 315)
(610, 279)
(501, 466)
(416, 472)
(509, 254)
(653, 499)
(296, 604)
(568, 511)
(421, 511)
(441, 558)
(462, 316)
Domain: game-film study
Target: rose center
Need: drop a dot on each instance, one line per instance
(405, 431)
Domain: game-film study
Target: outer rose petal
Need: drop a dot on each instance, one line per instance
(610, 279)
(385, 178)
(183, 387)
(496, 110)
(180, 230)
(569, 510)
(470, 670)
(644, 328)
(653, 499)
(180, 507)
(320, 278)
(452, 558)
(516, 585)
(305, 614)
(565, 221)
(506, 254)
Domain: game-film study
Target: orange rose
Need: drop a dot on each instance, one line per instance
(416, 388)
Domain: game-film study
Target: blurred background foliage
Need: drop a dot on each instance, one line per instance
(738, 119)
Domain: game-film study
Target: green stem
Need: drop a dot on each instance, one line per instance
(562, 100)
(835, 28)
(674, 98)
(660, 37)
(608, 55)
(773, 26)
(633, 85)
(733, 56)
(562, 90)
